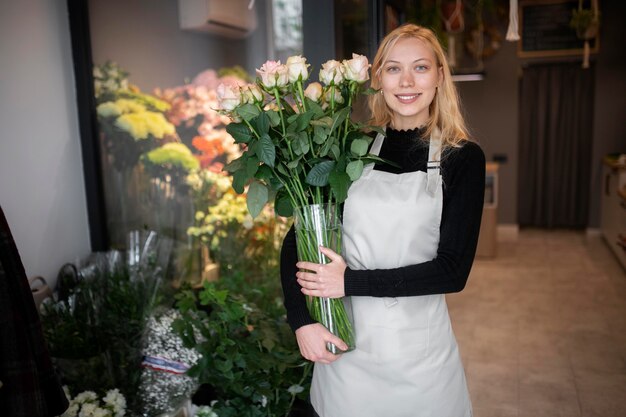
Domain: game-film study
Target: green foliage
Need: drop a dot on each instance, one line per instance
(250, 356)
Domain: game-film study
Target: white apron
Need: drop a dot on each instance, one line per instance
(406, 362)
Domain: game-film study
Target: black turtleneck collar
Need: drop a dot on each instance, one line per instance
(406, 135)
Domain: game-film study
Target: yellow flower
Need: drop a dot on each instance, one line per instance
(176, 154)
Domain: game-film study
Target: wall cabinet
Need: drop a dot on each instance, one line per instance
(613, 215)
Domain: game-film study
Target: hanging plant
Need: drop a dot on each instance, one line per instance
(586, 23)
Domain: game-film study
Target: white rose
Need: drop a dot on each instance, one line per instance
(228, 97)
(297, 68)
(356, 69)
(273, 74)
(331, 72)
(252, 94)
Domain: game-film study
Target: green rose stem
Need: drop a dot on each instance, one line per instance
(347, 121)
(280, 110)
(330, 312)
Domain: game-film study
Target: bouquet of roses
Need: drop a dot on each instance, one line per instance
(303, 151)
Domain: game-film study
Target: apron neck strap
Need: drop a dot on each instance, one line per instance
(378, 143)
(433, 166)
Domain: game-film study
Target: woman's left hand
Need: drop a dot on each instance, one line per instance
(323, 280)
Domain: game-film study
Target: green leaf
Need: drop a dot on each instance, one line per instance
(281, 168)
(314, 107)
(330, 141)
(258, 195)
(235, 164)
(323, 122)
(247, 112)
(319, 134)
(264, 173)
(282, 204)
(355, 169)
(239, 180)
(339, 118)
(274, 117)
(335, 151)
(266, 150)
(359, 147)
(293, 164)
(252, 166)
(240, 132)
(303, 120)
(374, 158)
(262, 123)
(339, 184)
(370, 91)
(300, 145)
(318, 176)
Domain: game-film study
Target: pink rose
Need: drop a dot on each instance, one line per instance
(356, 69)
(228, 97)
(331, 72)
(273, 74)
(313, 91)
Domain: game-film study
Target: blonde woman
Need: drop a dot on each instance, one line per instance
(410, 236)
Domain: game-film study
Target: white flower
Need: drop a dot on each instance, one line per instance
(87, 410)
(356, 69)
(101, 412)
(85, 396)
(116, 400)
(297, 68)
(252, 93)
(263, 401)
(273, 74)
(228, 97)
(331, 72)
(295, 389)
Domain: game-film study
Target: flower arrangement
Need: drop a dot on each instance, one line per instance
(87, 404)
(164, 385)
(302, 150)
(131, 122)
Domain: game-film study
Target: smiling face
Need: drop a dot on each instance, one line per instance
(409, 80)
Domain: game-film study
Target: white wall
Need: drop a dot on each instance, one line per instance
(145, 39)
(41, 179)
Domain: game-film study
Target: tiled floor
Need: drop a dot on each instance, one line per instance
(542, 329)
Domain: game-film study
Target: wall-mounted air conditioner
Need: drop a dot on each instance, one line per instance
(229, 18)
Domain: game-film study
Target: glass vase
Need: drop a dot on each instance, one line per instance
(315, 225)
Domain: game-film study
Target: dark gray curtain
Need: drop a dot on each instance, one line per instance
(556, 115)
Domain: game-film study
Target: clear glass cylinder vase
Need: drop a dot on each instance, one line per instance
(315, 225)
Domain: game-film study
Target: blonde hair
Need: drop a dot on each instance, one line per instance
(445, 109)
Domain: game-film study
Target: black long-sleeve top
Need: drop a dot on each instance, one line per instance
(463, 171)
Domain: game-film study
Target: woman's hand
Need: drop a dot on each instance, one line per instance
(324, 280)
(312, 340)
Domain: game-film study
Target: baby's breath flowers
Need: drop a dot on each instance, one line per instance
(87, 404)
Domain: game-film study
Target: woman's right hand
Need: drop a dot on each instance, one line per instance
(312, 340)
